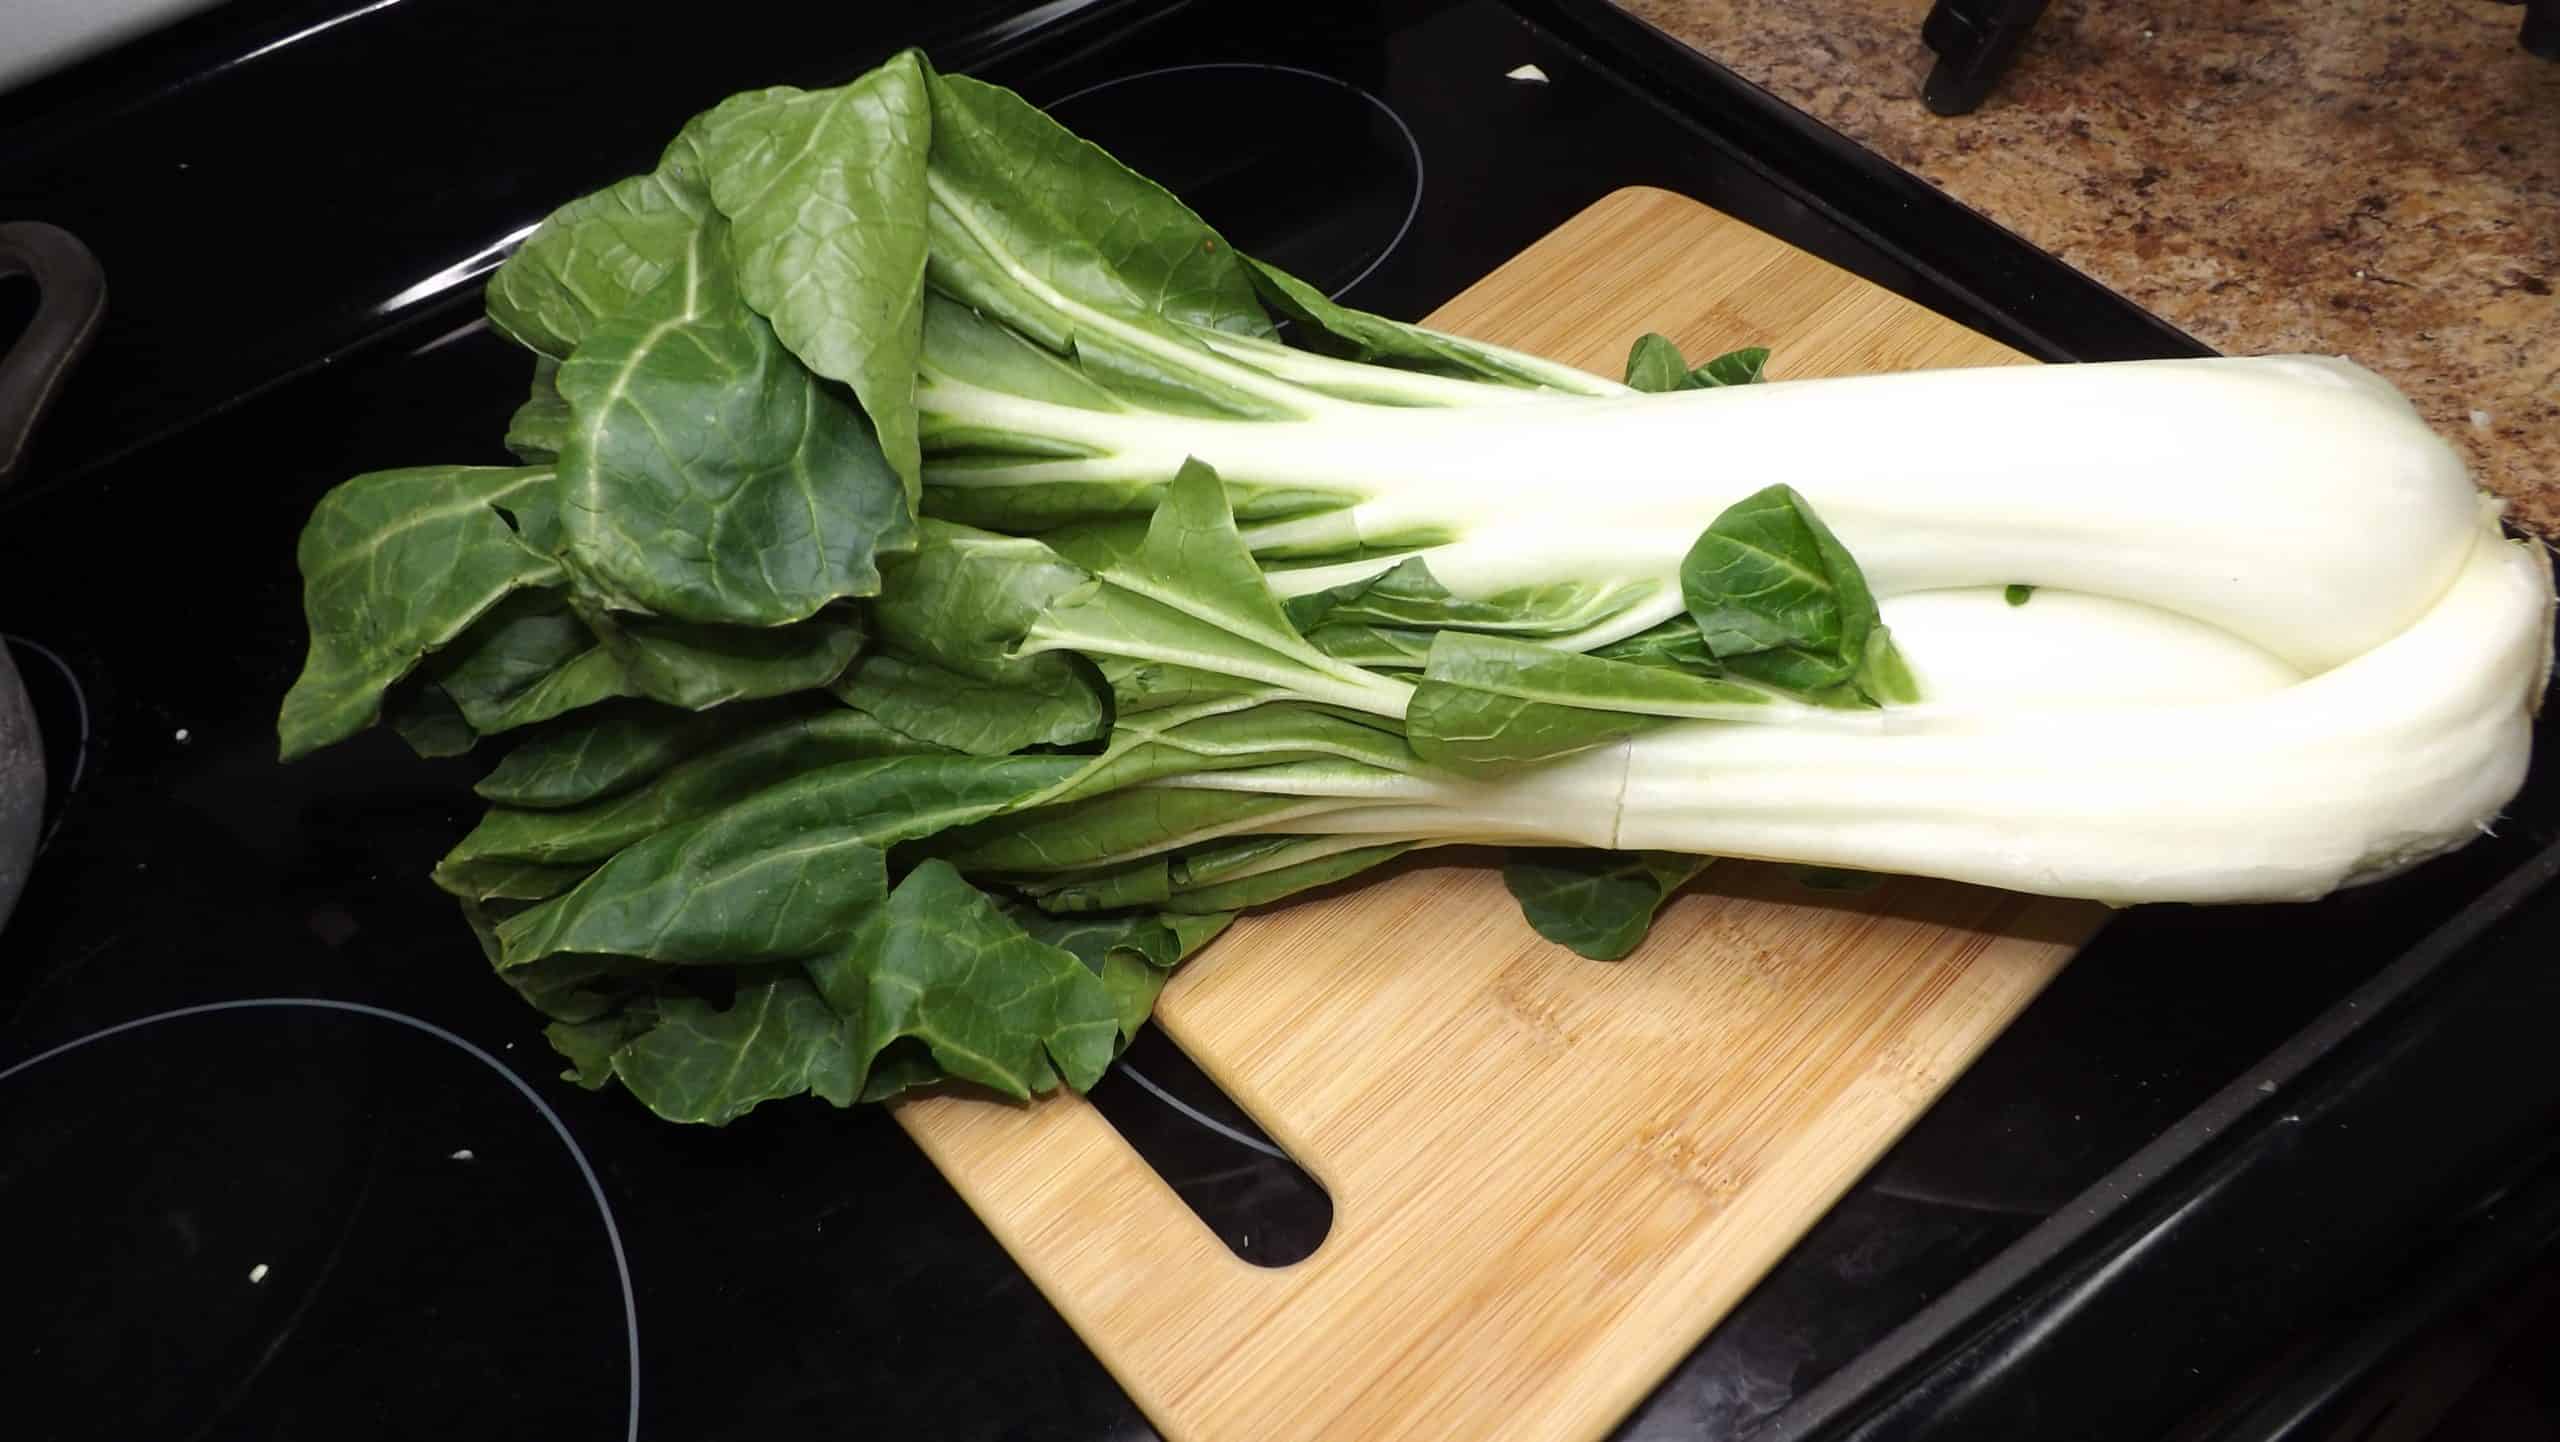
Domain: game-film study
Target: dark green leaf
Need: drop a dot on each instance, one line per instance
(1221, 735)
(987, 490)
(588, 1046)
(902, 1066)
(535, 432)
(528, 660)
(483, 918)
(1124, 826)
(825, 195)
(591, 676)
(743, 886)
(1133, 986)
(776, 1039)
(1236, 876)
(941, 963)
(1134, 954)
(1048, 234)
(1146, 883)
(771, 750)
(982, 718)
(579, 989)
(506, 880)
(607, 755)
(707, 476)
(701, 666)
(1375, 648)
(2017, 595)
(777, 876)
(1140, 685)
(1597, 903)
(428, 720)
(1013, 187)
(590, 259)
(964, 597)
(1158, 940)
(951, 613)
(396, 565)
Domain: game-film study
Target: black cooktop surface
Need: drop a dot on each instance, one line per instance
(279, 1159)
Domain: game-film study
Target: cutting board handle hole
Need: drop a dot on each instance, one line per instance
(1243, 1185)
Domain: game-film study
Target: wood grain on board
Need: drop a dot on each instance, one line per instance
(1550, 1176)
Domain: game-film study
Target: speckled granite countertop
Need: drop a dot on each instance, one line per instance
(2378, 179)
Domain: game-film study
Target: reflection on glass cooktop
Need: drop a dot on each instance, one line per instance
(1252, 144)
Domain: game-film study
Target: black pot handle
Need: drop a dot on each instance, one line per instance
(71, 297)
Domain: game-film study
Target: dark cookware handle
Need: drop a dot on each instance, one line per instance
(71, 296)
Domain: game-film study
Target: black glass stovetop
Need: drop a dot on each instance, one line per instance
(278, 1159)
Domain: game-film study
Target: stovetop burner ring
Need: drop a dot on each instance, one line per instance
(559, 1128)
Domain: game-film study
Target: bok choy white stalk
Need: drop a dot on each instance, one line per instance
(2160, 482)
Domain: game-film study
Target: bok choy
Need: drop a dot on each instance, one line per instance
(934, 598)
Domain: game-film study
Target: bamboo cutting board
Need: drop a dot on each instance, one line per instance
(1550, 1176)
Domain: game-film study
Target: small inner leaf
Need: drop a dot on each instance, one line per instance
(1776, 596)
(1655, 364)
(1408, 597)
(1747, 366)
(1599, 904)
